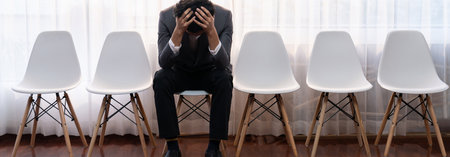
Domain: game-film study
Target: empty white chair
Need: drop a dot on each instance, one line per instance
(123, 68)
(53, 68)
(334, 68)
(263, 67)
(406, 67)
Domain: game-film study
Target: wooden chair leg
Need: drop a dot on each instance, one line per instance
(147, 124)
(319, 126)
(287, 126)
(164, 150)
(138, 123)
(180, 101)
(64, 124)
(355, 124)
(223, 147)
(393, 124)
(436, 126)
(208, 99)
(77, 124)
(238, 132)
(105, 121)
(22, 125)
(36, 113)
(313, 124)
(245, 125)
(425, 120)
(94, 134)
(361, 125)
(386, 115)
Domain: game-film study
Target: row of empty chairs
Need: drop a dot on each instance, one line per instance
(262, 67)
(123, 68)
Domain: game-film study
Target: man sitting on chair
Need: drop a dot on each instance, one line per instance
(194, 43)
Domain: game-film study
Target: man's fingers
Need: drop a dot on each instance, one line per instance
(200, 24)
(201, 12)
(187, 16)
(206, 11)
(189, 22)
(185, 12)
(201, 18)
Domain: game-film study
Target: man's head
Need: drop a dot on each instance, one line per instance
(181, 6)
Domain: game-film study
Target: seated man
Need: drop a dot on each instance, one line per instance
(194, 43)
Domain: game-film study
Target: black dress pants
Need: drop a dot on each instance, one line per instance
(217, 82)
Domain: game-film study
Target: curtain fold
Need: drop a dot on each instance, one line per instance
(298, 22)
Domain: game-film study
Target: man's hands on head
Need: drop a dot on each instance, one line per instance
(182, 24)
(205, 20)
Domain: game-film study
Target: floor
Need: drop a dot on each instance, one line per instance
(261, 146)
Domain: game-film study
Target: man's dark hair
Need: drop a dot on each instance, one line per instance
(181, 6)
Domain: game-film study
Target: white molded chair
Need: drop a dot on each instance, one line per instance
(334, 68)
(53, 68)
(263, 67)
(406, 67)
(123, 68)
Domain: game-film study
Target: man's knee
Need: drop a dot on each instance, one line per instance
(224, 81)
(161, 80)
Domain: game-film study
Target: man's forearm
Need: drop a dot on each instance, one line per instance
(177, 36)
(213, 39)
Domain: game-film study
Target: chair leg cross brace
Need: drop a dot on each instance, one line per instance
(119, 110)
(46, 110)
(340, 109)
(138, 113)
(427, 115)
(63, 112)
(193, 108)
(245, 121)
(266, 109)
(320, 115)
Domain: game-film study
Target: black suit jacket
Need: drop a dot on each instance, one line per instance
(201, 59)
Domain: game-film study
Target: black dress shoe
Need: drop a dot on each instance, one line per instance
(213, 153)
(173, 153)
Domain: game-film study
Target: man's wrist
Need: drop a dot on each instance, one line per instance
(212, 32)
(178, 32)
(176, 37)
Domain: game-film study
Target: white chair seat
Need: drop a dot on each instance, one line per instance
(123, 67)
(342, 88)
(263, 65)
(193, 92)
(286, 88)
(117, 89)
(53, 66)
(33, 88)
(418, 88)
(334, 65)
(406, 65)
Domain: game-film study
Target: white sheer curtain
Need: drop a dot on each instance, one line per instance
(298, 21)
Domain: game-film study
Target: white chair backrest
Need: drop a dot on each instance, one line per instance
(263, 61)
(334, 60)
(406, 60)
(123, 62)
(53, 62)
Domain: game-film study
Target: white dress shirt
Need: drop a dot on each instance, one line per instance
(176, 49)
